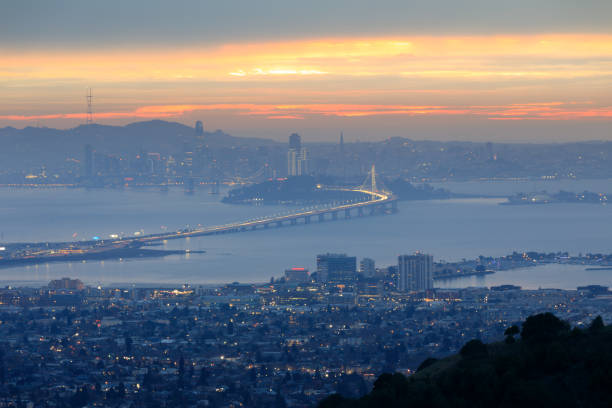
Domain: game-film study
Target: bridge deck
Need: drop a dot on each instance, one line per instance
(378, 199)
(58, 250)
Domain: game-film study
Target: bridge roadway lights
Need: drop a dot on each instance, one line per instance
(321, 217)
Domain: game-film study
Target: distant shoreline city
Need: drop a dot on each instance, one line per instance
(344, 269)
(159, 153)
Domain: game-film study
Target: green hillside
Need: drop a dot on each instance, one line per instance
(544, 364)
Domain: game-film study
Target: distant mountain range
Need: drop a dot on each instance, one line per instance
(30, 146)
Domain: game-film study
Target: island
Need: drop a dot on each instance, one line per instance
(306, 190)
(586, 197)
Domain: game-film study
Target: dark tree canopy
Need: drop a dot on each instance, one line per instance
(543, 327)
(548, 366)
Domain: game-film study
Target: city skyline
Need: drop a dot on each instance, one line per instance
(305, 204)
(503, 74)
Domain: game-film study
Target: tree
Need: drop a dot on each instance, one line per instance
(543, 327)
(474, 348)
(596, 325)
(426, 363)
(510, 333)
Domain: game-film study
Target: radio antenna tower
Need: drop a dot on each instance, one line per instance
(89, 97)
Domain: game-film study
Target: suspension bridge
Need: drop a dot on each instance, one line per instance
(374, 200)
(379, 201)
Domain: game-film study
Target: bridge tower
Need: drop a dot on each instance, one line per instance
(373, 172)
(369, 183)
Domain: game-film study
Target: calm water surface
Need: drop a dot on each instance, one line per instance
(449, 229)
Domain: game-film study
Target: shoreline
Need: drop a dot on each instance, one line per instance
(113, 254)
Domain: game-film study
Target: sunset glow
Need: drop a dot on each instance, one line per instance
(498, 77)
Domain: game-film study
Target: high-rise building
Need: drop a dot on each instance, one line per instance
(415, 272)
(295, 141)
(298, 275)
(66, 283)
(296, 157)
(199, 128)
(188, 160)
(336, 268)
(367, 267)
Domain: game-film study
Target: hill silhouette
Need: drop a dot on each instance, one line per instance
(31, 146)
(550, 365)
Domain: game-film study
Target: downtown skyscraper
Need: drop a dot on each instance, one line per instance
(415, 272)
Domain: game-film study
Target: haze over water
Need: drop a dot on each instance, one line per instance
(450, 230)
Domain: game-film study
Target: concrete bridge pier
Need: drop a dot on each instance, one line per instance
(266, 225)
(360, 211)
(293, 221)
(335, 215)
(321, 217)
(347, 213)
(307, 219)
(279, 224)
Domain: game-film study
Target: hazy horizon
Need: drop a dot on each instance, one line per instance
(324, 136)
(441, 71)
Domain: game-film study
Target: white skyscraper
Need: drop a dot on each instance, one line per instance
(415, 272)
(297, 160)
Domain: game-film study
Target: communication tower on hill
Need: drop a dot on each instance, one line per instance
(89, 97)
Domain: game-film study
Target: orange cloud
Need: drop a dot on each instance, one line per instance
(477, 76)
(526, 111)
(461, 57)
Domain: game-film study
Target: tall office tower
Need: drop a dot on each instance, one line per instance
(295, 141)
(199, 128)
(296, 157)
(88, 162)
(292, 162)
(336, 268)
(415, 272)
(188, 159)
(367, 267)
(303, 162)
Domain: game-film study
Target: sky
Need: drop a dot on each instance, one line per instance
(440, 70)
